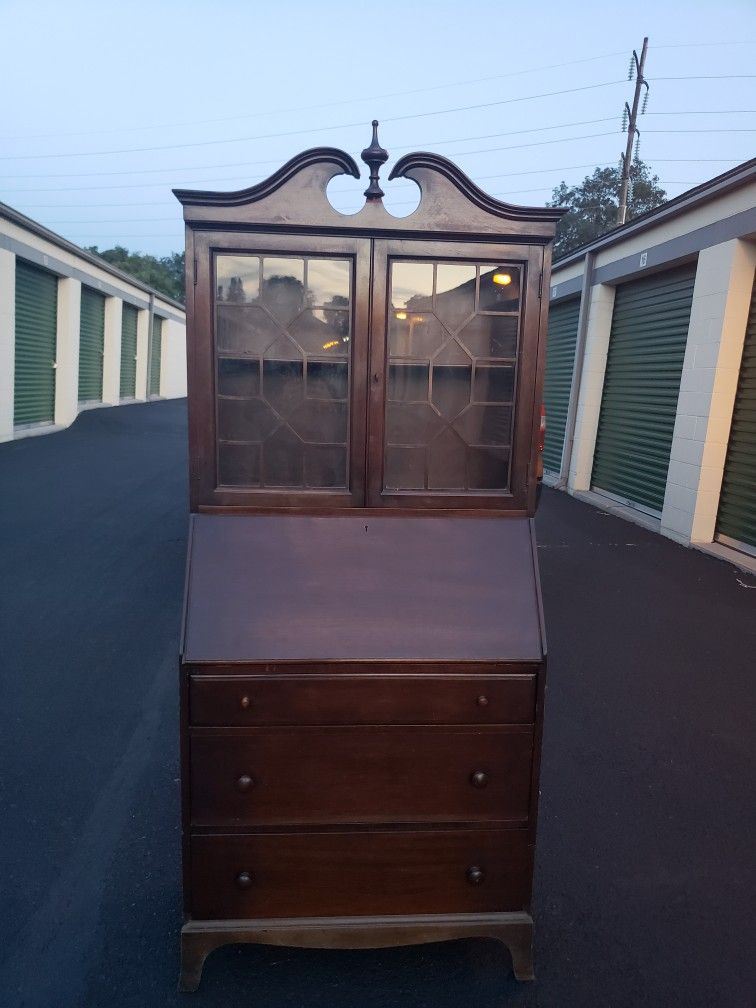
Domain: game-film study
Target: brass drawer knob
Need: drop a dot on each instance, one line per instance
(482, 701)
(245, 782)
(244, 880)
(475, 875)
(246, 702)
(479, 779)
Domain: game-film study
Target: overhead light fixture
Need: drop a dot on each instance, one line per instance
(503, 279)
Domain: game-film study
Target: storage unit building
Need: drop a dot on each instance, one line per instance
(663, 388)
(75, 332)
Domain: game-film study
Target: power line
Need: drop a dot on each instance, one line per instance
(311, 108)
(288, 133)
(238, 164)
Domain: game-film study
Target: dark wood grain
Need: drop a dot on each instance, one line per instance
(360, 775)
(309, 874)
(398, 698)
(339, 588)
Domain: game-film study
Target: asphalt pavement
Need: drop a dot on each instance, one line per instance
(644, 887)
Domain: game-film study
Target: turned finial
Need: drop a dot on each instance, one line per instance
(374, 156)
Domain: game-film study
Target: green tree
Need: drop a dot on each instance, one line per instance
(165, 274)
(593, 204)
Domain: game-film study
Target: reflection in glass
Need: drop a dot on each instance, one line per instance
(241, 329)
(282, 289)
(412, 286)
(449, 398)
(237, 279)
(414, 335)
(327, 282)
(455, 293)
(323, 331)
(500, 288)
(283, 339)
(491, 336)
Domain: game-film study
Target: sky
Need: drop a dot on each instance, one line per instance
(108, 107)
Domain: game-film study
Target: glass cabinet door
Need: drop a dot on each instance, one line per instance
(453, 333)
(286, 338)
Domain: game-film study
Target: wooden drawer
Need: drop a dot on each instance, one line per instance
(387, 699)
(279, 776)
(368, 873)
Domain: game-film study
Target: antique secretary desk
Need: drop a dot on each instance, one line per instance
(363, 654)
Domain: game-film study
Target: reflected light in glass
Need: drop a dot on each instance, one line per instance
(401, 315)
(504, 279)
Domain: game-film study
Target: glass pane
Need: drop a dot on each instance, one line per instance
(283, 459)
(327, 380)
(322, 331)
(500, 288)
(488, 469)
(245, 420)
(237, 279)
(413, 335)
(412, 286)
(451, 375)
(494, 384)
(455, 293)
(238, 377)
(405, 468)
(490, 336)
(283, 287)
(325, 465)
(408, 382)
(283, 384)
(239, 465)
(328, 283)
(283, 373)
(244, 330)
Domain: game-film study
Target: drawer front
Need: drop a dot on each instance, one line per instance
(341, 874)
(279, 776)
(400, 699)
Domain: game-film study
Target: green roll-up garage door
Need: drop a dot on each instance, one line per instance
(156, 346)
(736, 522)
(91, 345)
(36, 340)
(128, 351)
(641, 387)
(560, 360)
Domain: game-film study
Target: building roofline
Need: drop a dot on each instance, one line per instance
(734, 178)
(15, 217)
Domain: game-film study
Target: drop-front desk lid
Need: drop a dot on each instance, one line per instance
(361, 588)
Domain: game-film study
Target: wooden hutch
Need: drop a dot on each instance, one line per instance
(363, 653)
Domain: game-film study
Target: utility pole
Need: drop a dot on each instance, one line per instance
(631, 114)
